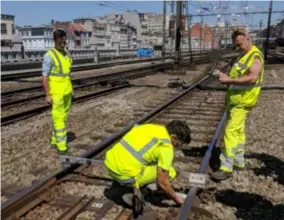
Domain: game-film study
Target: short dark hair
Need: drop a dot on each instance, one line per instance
(58, 33)
(237, 32)
(180, 129)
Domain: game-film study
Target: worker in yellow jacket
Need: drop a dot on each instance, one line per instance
(244, 86)
(57, 84)
(145, 155)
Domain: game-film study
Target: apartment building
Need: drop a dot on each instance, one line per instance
(77, 36)
(7, 30)
(112, 31)
(41, 37)
(37, 37)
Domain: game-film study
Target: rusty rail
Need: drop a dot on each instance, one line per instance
(20, 203)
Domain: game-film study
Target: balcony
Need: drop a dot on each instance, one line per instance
(115, 29)
(115, 39)
(99, 33)
(97, 41)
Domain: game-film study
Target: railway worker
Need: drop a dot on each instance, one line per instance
(58, 88)
(244, 86)
(145, 155)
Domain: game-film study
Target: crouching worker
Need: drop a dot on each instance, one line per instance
(145, 155)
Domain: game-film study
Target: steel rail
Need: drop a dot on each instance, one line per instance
(35, 111)
(37, 72)
(186, 207)
(117, 77)
(26, 197)
(26, 114)
(78, 80)
(81, 79)
(29, 113)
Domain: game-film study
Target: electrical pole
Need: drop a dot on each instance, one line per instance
(178, 30)
(164, 29)
(268, 31)
(172, 4)
(201, 33)
(189, 34)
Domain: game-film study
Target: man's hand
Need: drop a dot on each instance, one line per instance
(179, 199)
(223, 78)
(48, 99)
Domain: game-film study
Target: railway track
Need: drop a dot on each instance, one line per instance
(82, 67)
(86, 191)
(82, 80)
(12, 106)
(92, 93)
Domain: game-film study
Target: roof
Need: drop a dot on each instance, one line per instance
(76, 27)
(70, 27)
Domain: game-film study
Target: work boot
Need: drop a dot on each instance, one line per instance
(221, 175)
(128, 198)
(152, 186)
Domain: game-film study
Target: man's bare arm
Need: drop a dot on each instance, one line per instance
(163, 181)
(45, 85)
(249, 78)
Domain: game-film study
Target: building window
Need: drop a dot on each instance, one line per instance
(13, 29)
(3, 28)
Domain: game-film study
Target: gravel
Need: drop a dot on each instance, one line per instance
(258, 191)
(25, 153)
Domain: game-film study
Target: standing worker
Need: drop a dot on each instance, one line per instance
(145, 155)
(57, 84)
(244, 82)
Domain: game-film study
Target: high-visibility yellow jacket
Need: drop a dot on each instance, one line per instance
(140, 147)
(245, 95)
(59, 80)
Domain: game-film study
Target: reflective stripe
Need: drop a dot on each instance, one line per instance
(127, 181)
(244, 66)
(148, 146)
(241, 146)
(58, 60)
(241, 65)
(226, 161)
(130, 180)
(240, 87)
(60, 130)
(132, 151)
(61, 138)
(58, 74)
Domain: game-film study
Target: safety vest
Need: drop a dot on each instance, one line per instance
(59, 76)
(245, 95)
(133, 152)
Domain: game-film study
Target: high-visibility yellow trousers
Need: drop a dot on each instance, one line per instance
(147, 176)
(234, 139)
(60, 110)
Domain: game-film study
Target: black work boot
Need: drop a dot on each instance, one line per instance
(221, 175)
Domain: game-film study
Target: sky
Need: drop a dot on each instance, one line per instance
(42, 12)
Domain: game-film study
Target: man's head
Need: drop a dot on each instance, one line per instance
(179, 132)
(241, 40)
(59, 37)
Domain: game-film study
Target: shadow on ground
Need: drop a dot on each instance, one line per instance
(273, 166)
(70, 136)
(250, 206)
(214, 161)
(157, 198)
